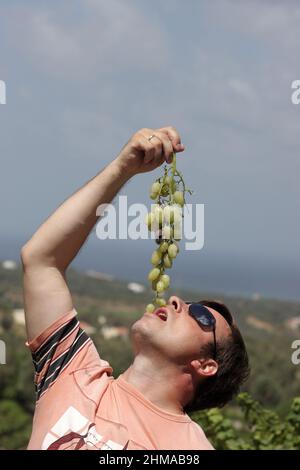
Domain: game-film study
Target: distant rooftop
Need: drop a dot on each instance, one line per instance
(9, 264)
(135, 287)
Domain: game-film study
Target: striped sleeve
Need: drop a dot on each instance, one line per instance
(54, 350)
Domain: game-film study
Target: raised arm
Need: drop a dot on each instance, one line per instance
(46, 256)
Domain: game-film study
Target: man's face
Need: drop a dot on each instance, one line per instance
(173, 334)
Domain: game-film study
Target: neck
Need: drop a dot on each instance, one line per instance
(168, 386)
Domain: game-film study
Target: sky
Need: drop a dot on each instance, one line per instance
(82, 76)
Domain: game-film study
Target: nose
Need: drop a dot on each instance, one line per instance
(176, 303)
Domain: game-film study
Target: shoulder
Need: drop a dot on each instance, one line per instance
(63, 348)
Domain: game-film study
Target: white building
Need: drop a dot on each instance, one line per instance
(9, 264)
(19, 316)
(135, 287)
(110, 332)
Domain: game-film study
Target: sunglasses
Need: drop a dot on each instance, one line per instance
(205, 319)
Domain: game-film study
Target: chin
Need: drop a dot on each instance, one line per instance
(139, 328)
(141, 333)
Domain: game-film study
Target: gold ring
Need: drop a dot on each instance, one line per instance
(151, 137)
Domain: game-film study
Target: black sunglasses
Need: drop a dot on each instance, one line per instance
(204, 318)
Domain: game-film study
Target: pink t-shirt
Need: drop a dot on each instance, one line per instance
(81, 406)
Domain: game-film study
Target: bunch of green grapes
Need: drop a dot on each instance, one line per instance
(165, 221)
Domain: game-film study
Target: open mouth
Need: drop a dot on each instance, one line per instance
(161, 313)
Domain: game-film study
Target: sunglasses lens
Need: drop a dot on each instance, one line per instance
(202, 315)
(204, 320)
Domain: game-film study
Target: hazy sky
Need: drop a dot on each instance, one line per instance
(83, 75)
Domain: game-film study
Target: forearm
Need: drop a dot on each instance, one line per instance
(60, 237)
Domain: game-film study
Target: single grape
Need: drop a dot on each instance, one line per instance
(167, 261)
(150, 308)
(155, 188)
(160, 301)
(163, 247)
(160, 287)
(179, 198)
(156, 257)
(153, 274)
(172, 250)
(165, 279)
(171, 183)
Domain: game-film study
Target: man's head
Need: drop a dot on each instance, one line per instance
(171, 335)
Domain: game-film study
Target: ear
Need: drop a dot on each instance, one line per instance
(205, 367)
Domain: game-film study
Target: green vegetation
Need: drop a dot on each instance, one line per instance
(259, 429)
(271, 419)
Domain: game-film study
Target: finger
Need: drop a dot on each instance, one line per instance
(157, 146)
(166, 144)
(174, 136)
(142, 144)
(149, 150)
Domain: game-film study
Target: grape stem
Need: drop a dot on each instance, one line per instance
(174, 164)
(173, 170)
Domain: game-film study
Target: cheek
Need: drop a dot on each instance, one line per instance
(184, 341)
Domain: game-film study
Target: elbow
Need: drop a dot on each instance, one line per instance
(31, 256)
(27, 255)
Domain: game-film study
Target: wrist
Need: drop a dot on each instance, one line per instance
(121, 170)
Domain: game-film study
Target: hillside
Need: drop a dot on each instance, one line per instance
(108, 308)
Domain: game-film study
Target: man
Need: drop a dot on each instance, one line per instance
(187, 356)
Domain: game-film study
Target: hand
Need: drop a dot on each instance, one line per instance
(140, 155)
